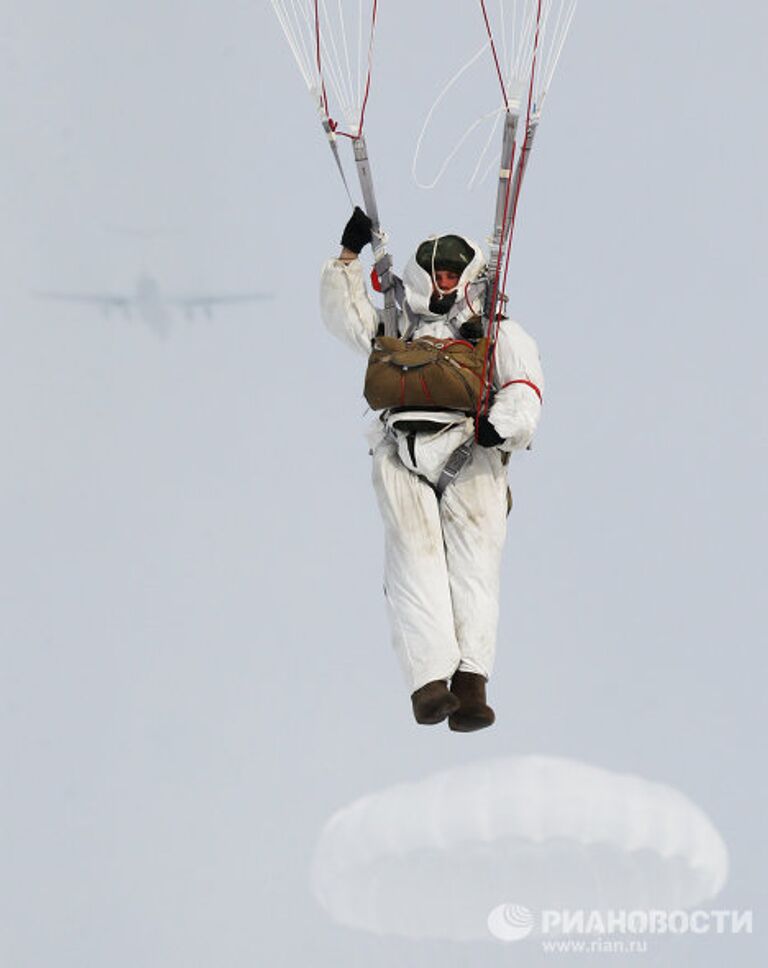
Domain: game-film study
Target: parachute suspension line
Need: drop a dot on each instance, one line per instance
(336, 77)
(346, 48)
(461, 141)
(358, 73)
(498, 255)
(321, 41)
(560, 33)
(476, 177)
(495, 55)
(342, 82)
(291, 27)
(323, 92)
(370, 65)
(504, 51)
(328, 126)
(530, 132)
(382, 259)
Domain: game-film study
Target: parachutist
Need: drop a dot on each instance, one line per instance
(440, 458)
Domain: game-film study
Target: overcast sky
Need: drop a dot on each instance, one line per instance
(195, 655)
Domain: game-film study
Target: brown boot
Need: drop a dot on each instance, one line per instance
(473, 713)
(433, 702)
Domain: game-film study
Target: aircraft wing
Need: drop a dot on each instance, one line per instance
(208, 302)
(104, 299)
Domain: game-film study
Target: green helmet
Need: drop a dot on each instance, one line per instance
(448, 252)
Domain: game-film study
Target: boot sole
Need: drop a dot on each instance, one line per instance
(469, 724)
(439, 714)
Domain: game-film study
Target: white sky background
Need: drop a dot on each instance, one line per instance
(196, 668)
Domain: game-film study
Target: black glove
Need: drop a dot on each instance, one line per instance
(357, 232)
(486, 433)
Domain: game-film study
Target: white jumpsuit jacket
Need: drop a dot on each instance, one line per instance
(442, 557)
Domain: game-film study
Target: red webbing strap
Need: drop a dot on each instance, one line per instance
(527, 383)
(495, 55)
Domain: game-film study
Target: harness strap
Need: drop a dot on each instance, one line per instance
(453, 467)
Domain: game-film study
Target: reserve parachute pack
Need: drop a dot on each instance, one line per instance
(426, 372)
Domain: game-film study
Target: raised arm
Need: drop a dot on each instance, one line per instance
(345, 306)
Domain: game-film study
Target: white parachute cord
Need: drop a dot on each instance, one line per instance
(297, 21)
(504, 57)
(520, 23)
(434, 270)
(538, 62)
(486, 148)
(346, 51)
(493, 165)
(295, 40)
(333, 141)
(556, 19)
(524, 58)
(555, 33)
(332, 53)
(329, 58)
(343, 84)
(369, 63)
(303, 35)
(449, 158)
(308, 35)
(442, 292)
(428, 120)
(552, 67)
(359, 51)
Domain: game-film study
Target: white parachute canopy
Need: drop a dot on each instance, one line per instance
(523, 41)
(436, 858)
(331, 42)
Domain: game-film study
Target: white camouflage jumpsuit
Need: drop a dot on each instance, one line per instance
(442, 558)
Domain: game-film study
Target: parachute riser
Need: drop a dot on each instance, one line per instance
(382, 259)
(502, 232)
(334, 146)
(503, 197)
(520, 169)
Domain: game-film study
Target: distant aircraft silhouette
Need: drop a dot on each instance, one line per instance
(153, 306)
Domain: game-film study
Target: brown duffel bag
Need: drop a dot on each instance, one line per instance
(425, 372)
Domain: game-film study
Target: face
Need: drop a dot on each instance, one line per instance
(446, 280)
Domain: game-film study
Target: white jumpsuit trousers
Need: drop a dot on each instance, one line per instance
(442, 561)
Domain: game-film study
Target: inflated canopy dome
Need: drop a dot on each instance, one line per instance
(432, 859)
